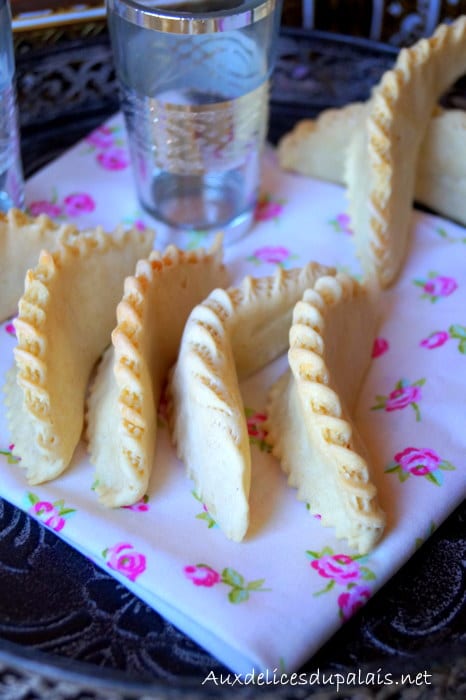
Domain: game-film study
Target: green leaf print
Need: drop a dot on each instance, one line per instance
(462, 347)
(416, 410)
(311, 553)
(240, 591)
(256, 585)
(391, 470)
(232, 578)
(238, 595)
(208, 519)
(433, 479)
(326, 589)
(367, 574)
(457, 331)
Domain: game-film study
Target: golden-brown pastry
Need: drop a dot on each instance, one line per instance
(122, 406)
(317, 148)
(232, 334)
(309, 408)
(65, 318)
(383, 157)
(22, 237)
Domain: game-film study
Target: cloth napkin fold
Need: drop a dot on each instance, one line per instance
(273, 600)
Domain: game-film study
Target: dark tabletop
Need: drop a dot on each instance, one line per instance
(67, 628)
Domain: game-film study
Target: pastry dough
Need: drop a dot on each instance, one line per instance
(383, 157)
(309, 408)
(65, 318)
(122, 406)
(317, 148)
(22, 237)
(232, 334)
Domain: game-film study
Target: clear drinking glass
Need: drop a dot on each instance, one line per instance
(194, 80)
(11, 171)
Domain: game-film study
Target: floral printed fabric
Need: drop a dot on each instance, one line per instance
(274, 599)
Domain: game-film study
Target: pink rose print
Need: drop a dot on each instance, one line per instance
(140, 506)
(48, 514)
(101, 137)
(139, 225)
(267, 208)
(380, 347)
(10, 329)
(436, 286)
(43, 206)
(10, 457)
(51, 514)
(202, 575)
(78, 203)
(342, 570)
(435, 340)
(342, 224)
(339, 567)
(240, 590)
(275, 255)
(352, 600)
(113, 159)
(254, 427)
(122, 558)
(405, 394)
(402, 397)
(256, 431)
(415, 461)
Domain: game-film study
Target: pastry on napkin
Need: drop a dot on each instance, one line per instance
(317, 148)
(309, 409)
(123, 401)
(22, 237)
(383, 156)
(65, 318)
(230, 335)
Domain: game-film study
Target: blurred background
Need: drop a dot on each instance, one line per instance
(66, 83)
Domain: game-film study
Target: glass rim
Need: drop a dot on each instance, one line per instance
(184, 22)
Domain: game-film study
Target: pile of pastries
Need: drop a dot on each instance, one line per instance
(144, 318)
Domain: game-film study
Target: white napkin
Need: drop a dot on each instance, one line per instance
(273, 600)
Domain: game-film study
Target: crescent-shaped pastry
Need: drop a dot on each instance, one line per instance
(232, 334)
(382, 159)
(309, 409)
(22, 237)
(317, 148)
(66, 315)
(122, 406)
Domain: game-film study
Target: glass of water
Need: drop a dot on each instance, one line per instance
(194, 78)
(11, 171)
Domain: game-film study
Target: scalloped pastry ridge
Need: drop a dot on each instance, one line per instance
(308, 410)
(22, 237)
(232, 333)
(382, 158)
(122, 405)
(65, 318)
